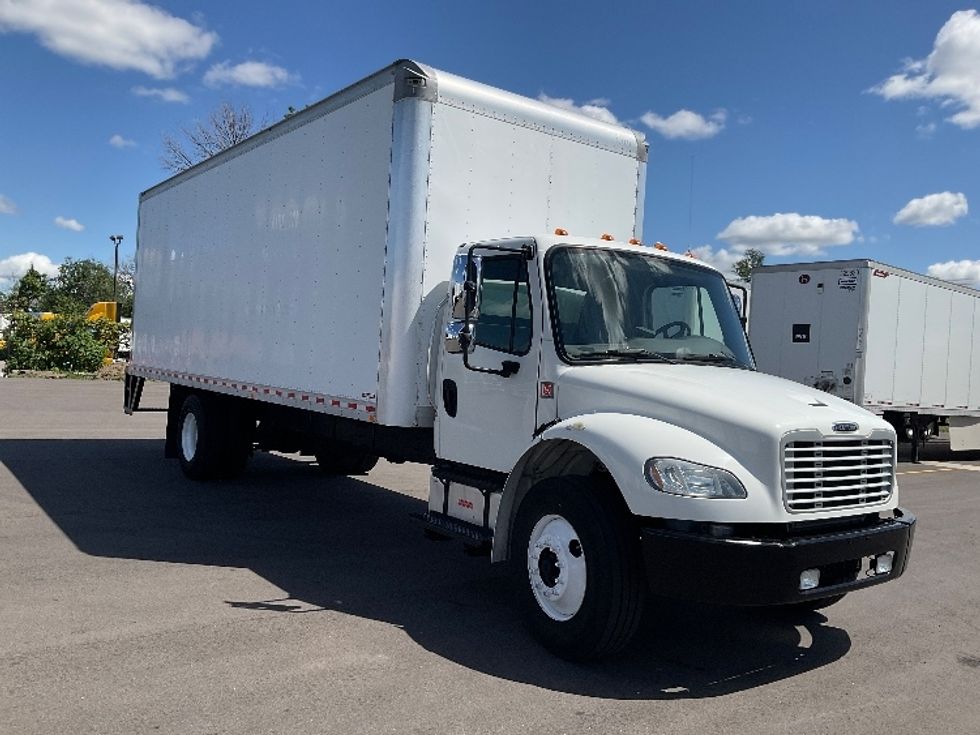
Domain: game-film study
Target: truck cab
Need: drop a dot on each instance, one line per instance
(599, 417)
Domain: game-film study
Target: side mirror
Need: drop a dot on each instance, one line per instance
(455, 338)
(464, 288)
(741, 302)
(464, 296)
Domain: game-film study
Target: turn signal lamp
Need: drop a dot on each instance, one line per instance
(561, 231)
(606, 236)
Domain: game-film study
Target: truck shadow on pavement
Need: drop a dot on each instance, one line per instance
(347, 544)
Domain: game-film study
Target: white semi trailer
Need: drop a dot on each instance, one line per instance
(902, 345)
(363, 280)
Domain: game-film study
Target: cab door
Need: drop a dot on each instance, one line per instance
(486, 391)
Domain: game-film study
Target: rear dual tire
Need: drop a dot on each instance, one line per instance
(337, 458)
(213, 438)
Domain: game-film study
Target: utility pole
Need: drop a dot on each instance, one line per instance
(116, 239)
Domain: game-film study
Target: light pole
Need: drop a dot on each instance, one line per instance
(116, 239)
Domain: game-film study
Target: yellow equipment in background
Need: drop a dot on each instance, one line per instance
(102, 310)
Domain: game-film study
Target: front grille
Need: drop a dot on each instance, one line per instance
(837, 473)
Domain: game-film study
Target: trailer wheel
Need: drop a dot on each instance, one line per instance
(337, 458)
(199, 441)
(577, 567)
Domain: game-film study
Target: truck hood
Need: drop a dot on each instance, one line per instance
(735, 409)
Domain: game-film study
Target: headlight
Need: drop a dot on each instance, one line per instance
(677, 477)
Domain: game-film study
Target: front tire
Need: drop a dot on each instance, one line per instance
(578, 568)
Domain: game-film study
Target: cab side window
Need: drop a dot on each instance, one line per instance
(504, 324)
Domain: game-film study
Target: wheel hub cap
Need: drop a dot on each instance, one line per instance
(188, 437)
(556, 567)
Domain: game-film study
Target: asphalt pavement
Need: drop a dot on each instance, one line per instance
(133, 601)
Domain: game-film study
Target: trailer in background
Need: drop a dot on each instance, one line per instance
(900, 344)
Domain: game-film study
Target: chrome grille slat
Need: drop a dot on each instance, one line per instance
(830, 474)
(842, 488)
(834, 480)
(843, 447)
(790, 470)
(837, 457)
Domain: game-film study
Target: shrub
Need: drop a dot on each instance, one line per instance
(66, 342)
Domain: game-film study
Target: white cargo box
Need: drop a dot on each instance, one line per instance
(305, 265)
(885, 338)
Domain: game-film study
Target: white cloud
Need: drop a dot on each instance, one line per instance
(66, 223)
(14, 267)
(119, 34)
(789, 233)
(167, 94)
(950, 74)
(247, 74)
(7, 205)
(598, 109)
(686, 125)
(117, 141)
(723, 259)
(964, 272)
(933, 210)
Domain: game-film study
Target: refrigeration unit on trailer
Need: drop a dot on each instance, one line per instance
(369, 279)
(900, 344)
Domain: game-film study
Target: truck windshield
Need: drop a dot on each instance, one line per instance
(615, 306)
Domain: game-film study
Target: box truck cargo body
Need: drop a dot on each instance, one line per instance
(898, 343)
(353, 209)
(365, 280)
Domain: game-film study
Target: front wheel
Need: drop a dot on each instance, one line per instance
(578, 568)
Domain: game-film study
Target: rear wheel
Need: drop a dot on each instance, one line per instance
(214, 437)
(198, 442)
(337, 458)
(577, 568)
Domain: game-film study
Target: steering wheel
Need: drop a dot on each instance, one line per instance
(681, 329)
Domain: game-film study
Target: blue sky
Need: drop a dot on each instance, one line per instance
(813, 130)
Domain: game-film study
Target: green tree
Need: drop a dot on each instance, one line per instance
(78, 285)
(751, 260)
(30, 292)
(127, 285)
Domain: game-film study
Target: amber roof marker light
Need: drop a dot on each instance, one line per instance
(561, 231)
(607, 237)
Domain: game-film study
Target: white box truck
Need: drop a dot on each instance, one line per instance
(364, 280)
(902, 345)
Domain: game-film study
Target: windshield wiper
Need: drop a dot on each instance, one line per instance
(716, 358)
(637, 353)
